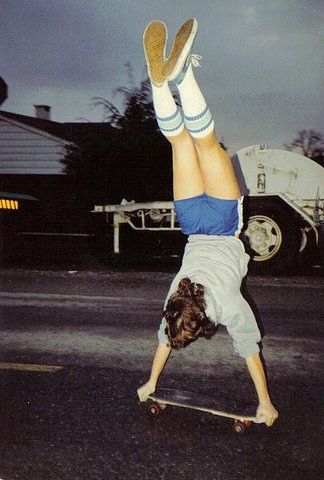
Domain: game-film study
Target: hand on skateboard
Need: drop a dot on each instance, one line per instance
(268, 413)
(146, 390)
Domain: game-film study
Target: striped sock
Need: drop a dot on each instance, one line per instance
(197, 116)
(167, 112)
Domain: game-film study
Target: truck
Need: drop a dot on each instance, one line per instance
(283, 207)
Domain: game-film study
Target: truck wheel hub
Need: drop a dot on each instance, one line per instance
(264, 236)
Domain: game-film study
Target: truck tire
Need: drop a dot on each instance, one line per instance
(272, 237)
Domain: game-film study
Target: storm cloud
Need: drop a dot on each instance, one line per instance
(262, 64)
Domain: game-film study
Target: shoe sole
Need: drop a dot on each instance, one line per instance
(154, 41)
(181, 48)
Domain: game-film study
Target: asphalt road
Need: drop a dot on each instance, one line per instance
(82, 420)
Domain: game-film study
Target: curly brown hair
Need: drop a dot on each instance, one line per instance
(185, 315)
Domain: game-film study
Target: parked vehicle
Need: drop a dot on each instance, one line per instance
(283, 206)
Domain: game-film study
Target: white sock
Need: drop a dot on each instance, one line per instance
(197, 116)
(167, 112)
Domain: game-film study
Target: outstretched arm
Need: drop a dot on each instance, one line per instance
(160, 358)
(265, 409)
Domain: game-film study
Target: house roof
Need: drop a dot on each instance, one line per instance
(18, 196)
(71, 131)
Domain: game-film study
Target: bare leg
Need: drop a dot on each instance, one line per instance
(216, 168)
(187, 177)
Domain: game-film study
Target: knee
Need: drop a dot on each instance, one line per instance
(181, 138)
(207, 142)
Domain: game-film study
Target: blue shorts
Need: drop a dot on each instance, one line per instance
(208, 215)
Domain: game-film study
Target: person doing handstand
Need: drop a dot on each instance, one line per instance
(208, 204)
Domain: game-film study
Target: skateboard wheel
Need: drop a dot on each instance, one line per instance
(155, 409)
(239, 427)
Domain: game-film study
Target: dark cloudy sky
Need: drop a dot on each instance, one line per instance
(262, 67)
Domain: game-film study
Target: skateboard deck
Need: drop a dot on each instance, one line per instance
(242, 415)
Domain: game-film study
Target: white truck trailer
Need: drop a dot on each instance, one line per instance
(283, 206)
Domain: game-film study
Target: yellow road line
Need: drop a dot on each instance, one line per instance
(25, 367)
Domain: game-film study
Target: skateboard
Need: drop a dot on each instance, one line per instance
(194, 401)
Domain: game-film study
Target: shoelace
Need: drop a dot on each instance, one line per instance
(194, 59)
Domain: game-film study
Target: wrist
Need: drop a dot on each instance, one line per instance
(152, 382)
(264, 401)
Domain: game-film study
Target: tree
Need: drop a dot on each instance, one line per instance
(310, 143)
(120, 165)
(132, 161)
(138, 114)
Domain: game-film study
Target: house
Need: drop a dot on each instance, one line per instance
(31, 154)
(30, 146)
(36, 145)
(31, 151)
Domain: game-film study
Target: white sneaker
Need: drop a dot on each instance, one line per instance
(181, 49)
(154, 41)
